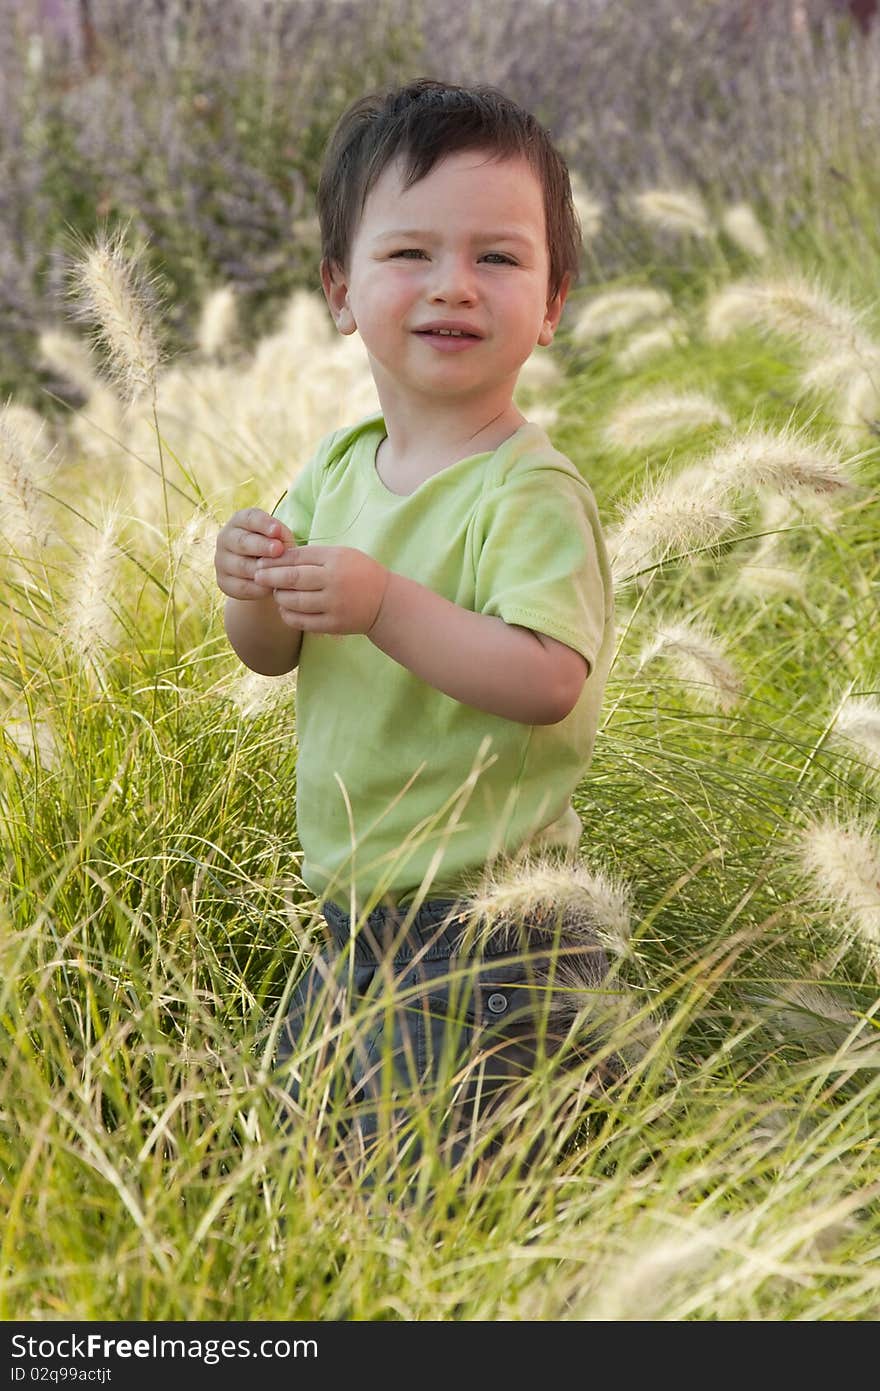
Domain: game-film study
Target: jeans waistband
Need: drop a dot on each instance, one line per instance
(431, 932)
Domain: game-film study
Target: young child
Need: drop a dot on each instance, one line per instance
(437, 574)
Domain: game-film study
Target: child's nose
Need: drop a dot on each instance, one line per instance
(453, 278)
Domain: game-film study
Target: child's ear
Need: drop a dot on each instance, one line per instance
(555, 307)
(335, 285)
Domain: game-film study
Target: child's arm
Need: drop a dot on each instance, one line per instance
(254, 625)
(477, 658)
(260, 637)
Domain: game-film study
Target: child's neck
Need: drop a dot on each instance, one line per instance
(425, 445)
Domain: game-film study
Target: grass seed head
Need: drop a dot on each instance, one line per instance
(801, 308)
(515, 898)
(672, 210)
(614, 311)
(823, 1020)
(743, 228)
(70, 357)
(731, 310)
(860, 405)
(843, 862)
(652, 342)
(90, 625)
(857, 729)
(35, 739)
(835, 370)
(110, 289)
(25, 520)
(784, 460)
(660, 416)
(306, 322)
(697, 657)
(793, 306)
(588, 209)
(767, 579)
(218, 322)
(672, 518)
(254, 695)
(541, 371)
(655, 1274)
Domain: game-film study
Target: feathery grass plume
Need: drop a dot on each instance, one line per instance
(544, 416)
(795, 307)
(110, 287)
(673, 210)
(741, 225)
(218, 322)
(36, 438)
(835, 370)
(90, 625)
(660, 416)
(651, 343)
(254, 695)
(783, 459)
(657, 1271)
(614, 311)
(70, 357)
(97, 431)
(811, 1012)
(860, 406)
(588, 209)
(856, 728)
(25, 521)
(540, 371)
(306, 320)
(697, 656)
(731, 310)
(802, 309)
(192, 550)
(843, 862)
(568, 918)
(785, 511)
(766, 571)
(302, 383)
(520, 898)
(34, 738)
(766, 580)
(673, 517)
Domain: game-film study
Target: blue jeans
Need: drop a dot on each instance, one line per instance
(478, 1020)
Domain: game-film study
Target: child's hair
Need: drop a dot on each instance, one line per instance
(424, 121)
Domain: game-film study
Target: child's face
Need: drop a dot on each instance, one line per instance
(467, 243)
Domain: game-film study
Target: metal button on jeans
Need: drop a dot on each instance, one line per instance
(497, 1003)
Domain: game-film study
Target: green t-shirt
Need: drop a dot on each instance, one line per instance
(395, 780)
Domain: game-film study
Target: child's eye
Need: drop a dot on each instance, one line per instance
(415, 251)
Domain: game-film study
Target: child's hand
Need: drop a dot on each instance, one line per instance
(325, 589)
(246, 537)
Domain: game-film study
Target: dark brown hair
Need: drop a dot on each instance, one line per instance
(424, 121)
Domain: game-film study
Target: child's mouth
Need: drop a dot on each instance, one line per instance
(448, 342)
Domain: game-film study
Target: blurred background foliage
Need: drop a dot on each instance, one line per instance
(201, 124)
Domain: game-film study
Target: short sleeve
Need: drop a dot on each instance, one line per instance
(297, 507)
(541, 561)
